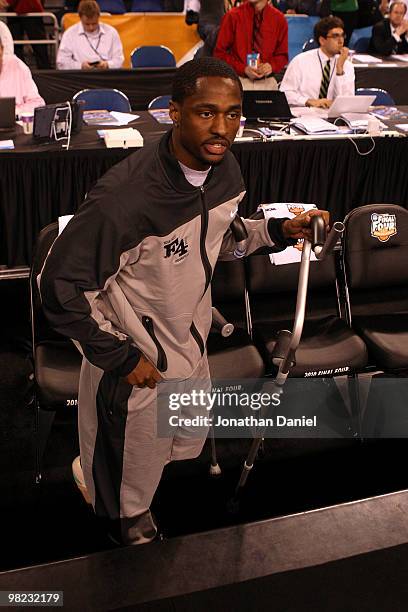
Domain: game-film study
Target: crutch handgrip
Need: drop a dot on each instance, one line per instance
(332, 237)
(240, 234)
(318, 233)
(221, 324)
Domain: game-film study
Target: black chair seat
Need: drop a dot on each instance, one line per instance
(386, 337)
(327, 346)
(57, 367)
(234, 357)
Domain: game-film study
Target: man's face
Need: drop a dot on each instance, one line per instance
(397, 15)
(206, 123)
(90, 24)
(333, 43)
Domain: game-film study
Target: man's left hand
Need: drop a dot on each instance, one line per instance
(299, 227)
(102, 65)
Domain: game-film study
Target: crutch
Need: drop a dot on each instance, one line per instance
(287, 343)
(220, 324)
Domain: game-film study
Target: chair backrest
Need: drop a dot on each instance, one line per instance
(361, 44)
(363, 34)
(104, 99)
(39, 325)
(152, 56)
(228, 289)
(310, 44)
(115, 7)
(375, 248)
(300, 28)
(146, 6)
(272, 288)
(160, 102)
(383, 98)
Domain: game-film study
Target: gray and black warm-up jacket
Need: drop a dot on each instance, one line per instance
(130, 273)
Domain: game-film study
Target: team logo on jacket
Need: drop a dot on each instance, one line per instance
(177, 248)
(383, 226)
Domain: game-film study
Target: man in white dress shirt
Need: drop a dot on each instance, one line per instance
(316, 77)
(89, 44)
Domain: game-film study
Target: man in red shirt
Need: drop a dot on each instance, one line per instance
(33, 26)
(254, 29)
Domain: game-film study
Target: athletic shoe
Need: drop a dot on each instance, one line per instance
(79, 479)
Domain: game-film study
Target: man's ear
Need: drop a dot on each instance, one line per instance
(174, 112)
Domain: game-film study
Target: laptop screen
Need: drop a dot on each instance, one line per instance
(7, 113)
(265, 104)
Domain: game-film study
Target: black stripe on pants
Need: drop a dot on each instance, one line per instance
(112, 409)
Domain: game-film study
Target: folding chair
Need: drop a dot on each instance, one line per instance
(375, 250)
(56, 360)
(152, 56)
(328, 347)
(383, 98)
(310, 44)
(160, 102)
(104, 99)
(114, 7)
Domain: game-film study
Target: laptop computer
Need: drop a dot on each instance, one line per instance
(7, 113)
(350, 104)
(265, 105)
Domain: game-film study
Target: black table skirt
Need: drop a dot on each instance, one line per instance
(37, 184)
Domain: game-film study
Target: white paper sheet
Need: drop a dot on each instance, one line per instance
(6, 144)
(291, 254)
(367, 59)
(402, 126)
(401, 58)
(124, 118)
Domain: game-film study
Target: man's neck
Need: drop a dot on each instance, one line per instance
(327, 53)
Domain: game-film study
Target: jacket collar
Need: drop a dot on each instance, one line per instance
(172, 167)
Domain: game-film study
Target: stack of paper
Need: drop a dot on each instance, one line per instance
(314, 125)
(126, 138)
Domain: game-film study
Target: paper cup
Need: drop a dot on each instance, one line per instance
(27, 120)
(241, 127)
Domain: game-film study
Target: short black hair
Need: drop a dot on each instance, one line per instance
(323, 27)
(185, 79)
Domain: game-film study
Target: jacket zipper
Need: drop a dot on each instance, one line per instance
(203, 236)
(147, 323)
(196, 335)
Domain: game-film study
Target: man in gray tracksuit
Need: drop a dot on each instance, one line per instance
(129, 280)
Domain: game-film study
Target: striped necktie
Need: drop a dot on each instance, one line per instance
(324, 86)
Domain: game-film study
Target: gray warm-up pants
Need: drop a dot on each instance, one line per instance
(122, 453)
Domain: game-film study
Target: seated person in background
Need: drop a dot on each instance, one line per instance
(390, 35)
(6, 39)
(316, 77)
(16, 82)
(90, 44)
(254, 27)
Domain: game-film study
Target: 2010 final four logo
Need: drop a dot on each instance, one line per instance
(383, 226)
